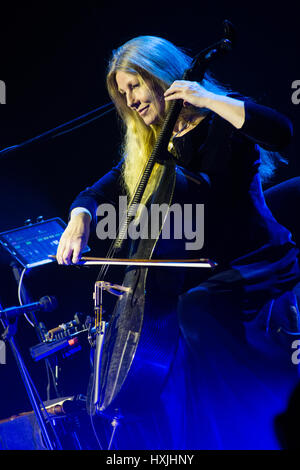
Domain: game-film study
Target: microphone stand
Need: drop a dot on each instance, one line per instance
(200, 62)
(49, 363)
(51, 443)
(61, 129)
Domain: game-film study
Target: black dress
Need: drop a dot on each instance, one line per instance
(233, 371)
(240, 231)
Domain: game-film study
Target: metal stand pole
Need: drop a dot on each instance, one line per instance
(51, 365)
(43, 421)
(97, 362)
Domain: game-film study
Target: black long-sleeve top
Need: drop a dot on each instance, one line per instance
(240, 231)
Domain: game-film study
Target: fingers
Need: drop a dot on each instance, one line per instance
(69, 250)
(77, 250)
(179, 91)
(177, 87)
(173, 92)
(192, 93)
(72, 242)
(64, 251)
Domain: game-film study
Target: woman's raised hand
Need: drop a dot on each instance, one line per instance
(192, 93)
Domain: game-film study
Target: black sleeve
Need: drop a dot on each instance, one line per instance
(106, 190)
(266, 127)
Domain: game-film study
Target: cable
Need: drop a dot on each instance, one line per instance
(20, 295)
(114, 424)
(91, 413)
(20, 286)
(47, 363)
(95, 432)
(269, 316)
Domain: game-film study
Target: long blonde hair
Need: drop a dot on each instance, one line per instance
(157, 63)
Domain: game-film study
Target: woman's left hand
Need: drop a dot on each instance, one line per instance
(192, 93)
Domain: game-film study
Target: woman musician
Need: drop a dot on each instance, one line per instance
(232, 370)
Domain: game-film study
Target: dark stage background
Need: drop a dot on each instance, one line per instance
(53, 61)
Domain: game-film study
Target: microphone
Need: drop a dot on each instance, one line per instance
(45, 304)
